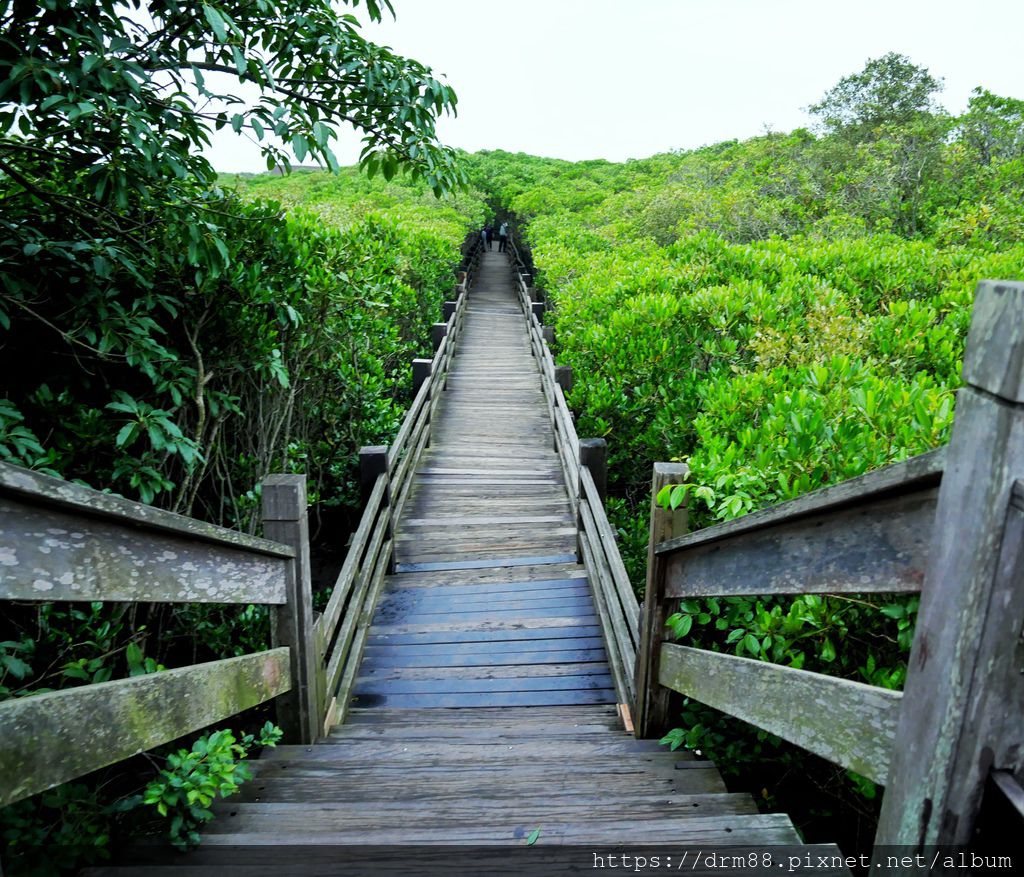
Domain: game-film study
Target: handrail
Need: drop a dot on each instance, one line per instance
(387, 474)
(948, 524)
(597, 548)
(63, 541)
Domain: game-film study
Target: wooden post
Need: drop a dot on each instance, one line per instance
(421, 369)
(535, 294)
(594, 455)
(438, 331)
(964, 695)
(285, 520)
(448, 310)
(548, 334)
(373, 462)
(650, 712)
(538, 308)
(563, 377)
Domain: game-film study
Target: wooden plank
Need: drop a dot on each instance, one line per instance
(484, 626)
(488, 563)
(583, 610)
(877, 546)
(965, 688)
(496, 589)
(490, 698)
(462, 685)
(612, 628)
(627, 601)
(437, 601)
(353, 558)
(55, 737)
(492, 575)
(339, 652)
(27, 486)
(398, 447)
(495, 638)
(486, 658)
(918, 473)
(759, 830)
(586, 668)
(355, 655)
(848, 723)
(54, 553)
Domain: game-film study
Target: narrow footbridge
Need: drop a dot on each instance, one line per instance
(483, 673)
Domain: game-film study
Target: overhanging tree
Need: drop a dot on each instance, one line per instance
(121, 263)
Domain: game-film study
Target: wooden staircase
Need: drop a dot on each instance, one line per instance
(484, 712)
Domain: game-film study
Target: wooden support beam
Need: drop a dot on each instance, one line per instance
(373, 463)
(563, 377)
(594, 455)
(421, 370)
(849, 723)
(538, 308)
(650, 711)
(548, 334)
(448, 310)
(51, 738)
(285, 520)
(438, 331)
(964, 694)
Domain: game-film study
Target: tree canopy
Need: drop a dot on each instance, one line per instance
(126, 92)
(890, 90)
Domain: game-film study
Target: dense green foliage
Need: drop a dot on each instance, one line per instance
(171, 339)
(782, 313)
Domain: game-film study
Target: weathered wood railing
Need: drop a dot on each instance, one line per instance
(63, 542)
(949, 524)
(584, 465)
(386, 476)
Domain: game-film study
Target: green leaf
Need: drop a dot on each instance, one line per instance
(532, 837)
(216, 21)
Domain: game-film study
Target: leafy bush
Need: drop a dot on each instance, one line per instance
(213, 767)
(782, 314)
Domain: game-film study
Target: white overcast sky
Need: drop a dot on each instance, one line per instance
(614, 79)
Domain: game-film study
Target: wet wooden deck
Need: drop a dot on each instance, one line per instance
(488, 606)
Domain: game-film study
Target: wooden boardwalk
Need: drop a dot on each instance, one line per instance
(484, 708)
(488, 606)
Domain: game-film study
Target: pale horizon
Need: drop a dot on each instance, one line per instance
(679, 74)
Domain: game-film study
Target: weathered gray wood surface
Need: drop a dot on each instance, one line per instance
(650, 707)
(52, 553)
(34, 487)
(51, 738)
(487, 521)
(875, 546)
(917, 473)
(965, 689)
(301, 713)
(848, 723)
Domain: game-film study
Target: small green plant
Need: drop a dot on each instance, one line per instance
(184, 789)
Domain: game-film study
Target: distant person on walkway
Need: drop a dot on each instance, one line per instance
(503, 238)
(485, 237)
(490, 236)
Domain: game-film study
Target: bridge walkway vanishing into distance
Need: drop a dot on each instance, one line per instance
(483, 674)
